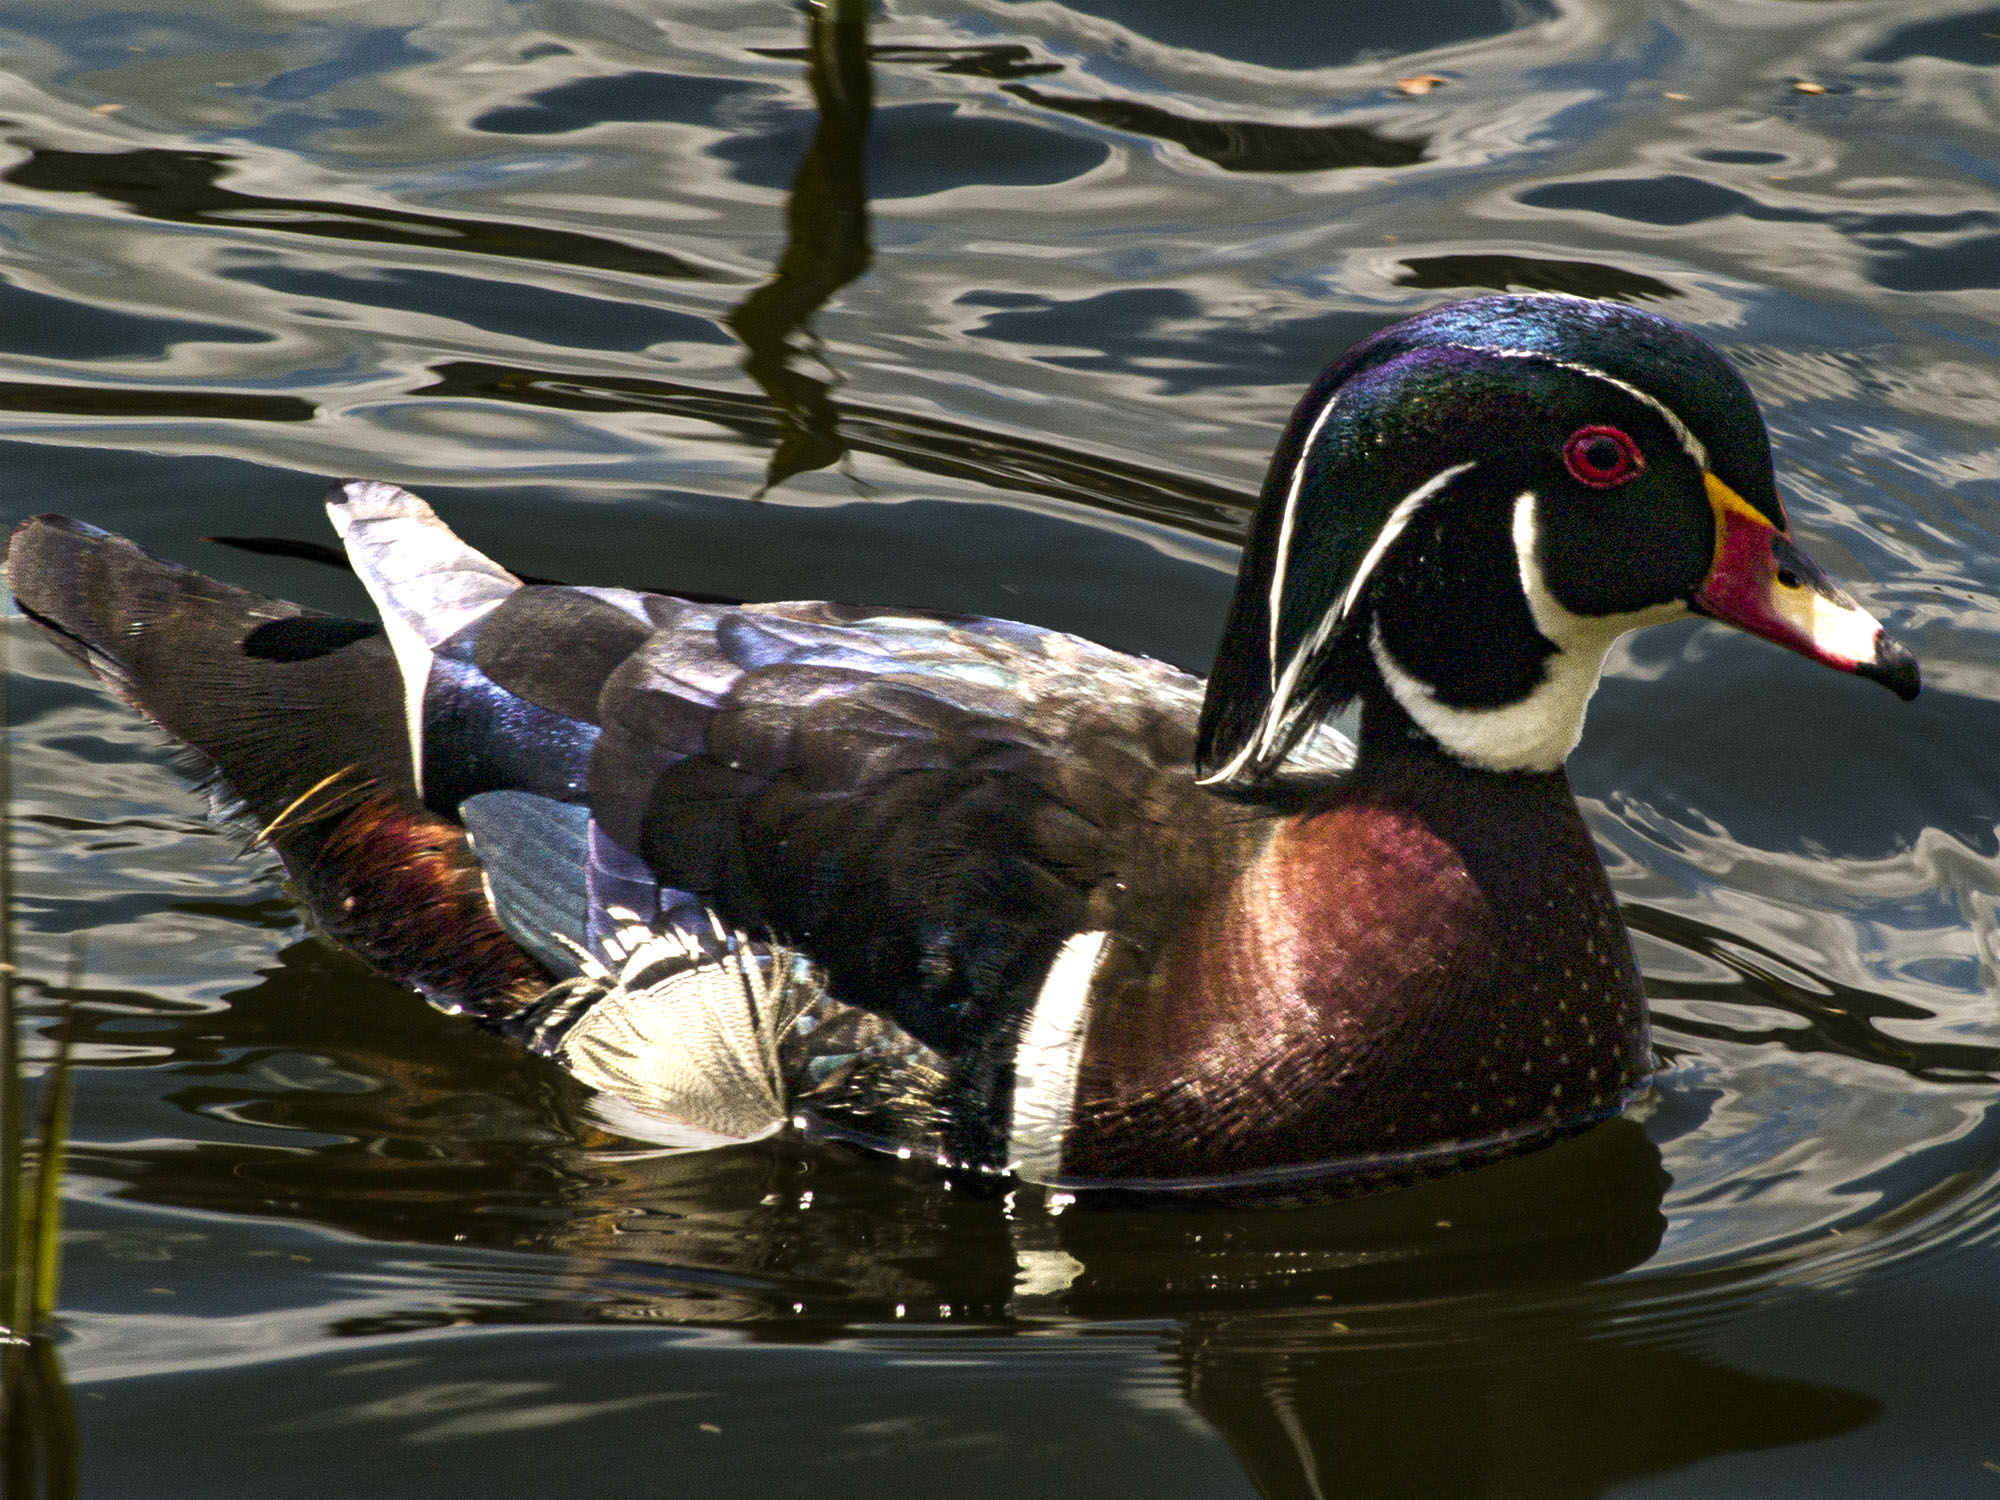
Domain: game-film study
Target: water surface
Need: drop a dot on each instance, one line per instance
(1003, 313)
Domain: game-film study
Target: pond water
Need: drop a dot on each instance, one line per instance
(999, 306)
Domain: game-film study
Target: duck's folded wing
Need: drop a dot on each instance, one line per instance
(905, 817)
(926, 805)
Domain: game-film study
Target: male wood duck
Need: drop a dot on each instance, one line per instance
(993, 895)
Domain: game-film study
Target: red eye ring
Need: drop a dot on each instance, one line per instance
(1602, 457)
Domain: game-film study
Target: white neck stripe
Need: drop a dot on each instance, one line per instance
(1280, 713)
(1682, 433)
(1285, 530)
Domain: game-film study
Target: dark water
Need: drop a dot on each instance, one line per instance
(1006, 318)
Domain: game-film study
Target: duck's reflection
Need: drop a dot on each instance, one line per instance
(1549, 1411)
(1466, 1335)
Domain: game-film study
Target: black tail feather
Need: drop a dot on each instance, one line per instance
(301, 716)
(277, 697)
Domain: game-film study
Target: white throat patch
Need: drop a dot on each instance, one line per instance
(1538, 732)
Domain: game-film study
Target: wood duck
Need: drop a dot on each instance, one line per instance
(992, 895)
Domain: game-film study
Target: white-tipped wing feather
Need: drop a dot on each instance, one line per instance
(427, 584)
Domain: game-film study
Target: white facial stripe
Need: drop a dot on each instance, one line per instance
(1281, 713)
(1688, 441)
(1538, 732)
(1400, 517)
(1048, 1057)
(1285, 529)
(1227, 771)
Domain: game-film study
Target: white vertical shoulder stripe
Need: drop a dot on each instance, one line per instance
(1048, 1056)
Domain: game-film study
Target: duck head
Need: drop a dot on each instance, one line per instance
(1471, 506)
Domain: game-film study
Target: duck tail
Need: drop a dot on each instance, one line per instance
(297, 719)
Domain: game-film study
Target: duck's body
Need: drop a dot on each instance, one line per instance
(987, 892)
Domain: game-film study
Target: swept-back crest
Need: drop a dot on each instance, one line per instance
(1345, 482)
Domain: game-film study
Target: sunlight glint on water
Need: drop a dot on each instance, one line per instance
(497, 254)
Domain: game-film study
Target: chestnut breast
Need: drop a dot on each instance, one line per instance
(1433, 958)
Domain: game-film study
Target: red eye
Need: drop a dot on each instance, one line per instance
(1602, 457)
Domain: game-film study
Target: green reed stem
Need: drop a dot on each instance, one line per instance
(56, 1421)
(16, 1304)
(52, 1136)
(38, 1434)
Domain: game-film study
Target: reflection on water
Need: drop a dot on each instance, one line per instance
(1238, 145)
(1313, 1417)
(1291, 1332)
(38, 1433)
(185, 187)
(1037, 283)
(827, 217)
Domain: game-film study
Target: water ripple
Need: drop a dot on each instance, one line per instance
(1000, 305)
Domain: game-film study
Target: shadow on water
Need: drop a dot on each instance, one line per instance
(107, 401)
(929, 445)
(827, 212)
(185, 187)
(1235, 145)
(1840, 1019)
(1533, 273)
(1238, 145)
